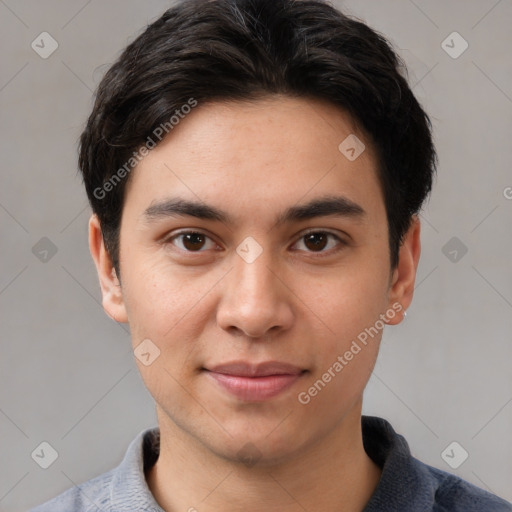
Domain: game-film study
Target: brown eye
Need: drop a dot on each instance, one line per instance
(191, 241)
(317, 241)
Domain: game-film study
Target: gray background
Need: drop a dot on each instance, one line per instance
(68, 375)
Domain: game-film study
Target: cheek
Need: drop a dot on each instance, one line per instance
(334, 390)
(347, 303)
(350, 309)
(168, 309)
(161, 302)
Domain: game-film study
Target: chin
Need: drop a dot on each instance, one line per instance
(265, 446)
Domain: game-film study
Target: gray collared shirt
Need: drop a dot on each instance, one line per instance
(406, 484)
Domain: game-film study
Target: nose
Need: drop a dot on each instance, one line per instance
(257, 300)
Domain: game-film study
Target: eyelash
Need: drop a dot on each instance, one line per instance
(341, 243)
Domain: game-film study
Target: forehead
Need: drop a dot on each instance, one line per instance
(258, 154)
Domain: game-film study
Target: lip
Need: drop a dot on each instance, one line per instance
(255, 382)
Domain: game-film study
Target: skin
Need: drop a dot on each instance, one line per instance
(210, 306)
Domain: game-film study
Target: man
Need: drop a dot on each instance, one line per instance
(256, 169)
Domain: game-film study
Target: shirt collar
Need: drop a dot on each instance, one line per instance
(129, 490)
(404, 479)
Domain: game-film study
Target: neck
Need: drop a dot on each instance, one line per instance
(333, 474)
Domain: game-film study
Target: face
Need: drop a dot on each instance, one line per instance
(258, 302)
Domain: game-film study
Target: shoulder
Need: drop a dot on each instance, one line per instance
(89, 496)
(407, 483)
(455, 494)
(122, 488)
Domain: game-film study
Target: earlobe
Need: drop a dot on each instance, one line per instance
(402, 287)
(112, 296)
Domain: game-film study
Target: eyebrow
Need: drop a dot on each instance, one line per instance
(336, 206)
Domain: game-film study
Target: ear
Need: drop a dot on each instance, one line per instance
(402, 284)
(112, 297)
